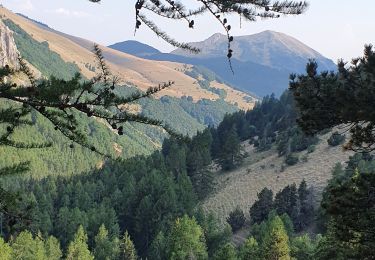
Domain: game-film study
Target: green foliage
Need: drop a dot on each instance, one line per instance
(78, 248)
(105, 247)
(330, 99)
(302, 248)
(262, 207)
(186, 240)
(216, 235)
(286, 202)
(329, 248)
(128, 251)
(158, 247)
(291, 159)
(227, 252)
(5, 250)
(26, 247)
(53, 250)
(236, 219)
(207, 74)
(353, 228)
(250, 250)
(271, 122)
(288, 224)
(306, 207)
(276, 242)
(336, 139)
(294, 206)
(230, 154)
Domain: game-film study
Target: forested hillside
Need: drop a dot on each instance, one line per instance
(188, 117)
(143, 196)
(105, 155)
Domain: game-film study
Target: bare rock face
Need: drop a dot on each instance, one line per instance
(8, 48)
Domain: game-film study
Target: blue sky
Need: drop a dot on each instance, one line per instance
(336, 28)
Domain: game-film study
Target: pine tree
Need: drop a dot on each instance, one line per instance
(52, 247)
(302, 248)
(186, 240)
(227, 252)
(158, 247)
(276, 242)
(78, 248)
(250, 250)
(350, 205)
(236, 219)
(262, 207)
(105, 248)
(5, 250)
(306, 212)
(286, 202)
(230, 153)
(327, 99)
(26, 247)
(128, 251)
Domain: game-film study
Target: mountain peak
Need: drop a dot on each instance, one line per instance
(135, 48)
(268, 48)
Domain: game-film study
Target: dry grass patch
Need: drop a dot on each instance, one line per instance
(240, 187)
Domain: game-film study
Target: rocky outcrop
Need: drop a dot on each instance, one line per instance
(8, 48)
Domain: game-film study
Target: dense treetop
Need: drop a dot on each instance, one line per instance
(344, 98)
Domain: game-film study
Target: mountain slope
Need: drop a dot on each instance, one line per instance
(187, 107)
(141, 73)
(265, 169)
(268, 48)
(262, 62)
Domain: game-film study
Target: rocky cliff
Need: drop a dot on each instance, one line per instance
(8, 48)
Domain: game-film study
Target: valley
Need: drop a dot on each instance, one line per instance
(254, 147)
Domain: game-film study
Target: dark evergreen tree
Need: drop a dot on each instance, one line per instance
(236, 219)
(262, 206)
(328, 99)
(286, 201)
(306, 207)
(105, 248)
(350, 204)
(230, 152)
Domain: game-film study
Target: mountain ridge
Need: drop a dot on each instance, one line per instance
(133, 70)
(261, 62)
(263, 48)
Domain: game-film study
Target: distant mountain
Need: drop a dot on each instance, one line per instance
(268, 48)
(262, 62)
(135, 48)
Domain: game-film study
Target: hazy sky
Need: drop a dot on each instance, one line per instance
(336, 28)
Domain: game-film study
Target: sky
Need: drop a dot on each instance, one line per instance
(335, 28)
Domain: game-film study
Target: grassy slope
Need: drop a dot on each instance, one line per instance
(240, 187)
(185, 117)
(140, 72)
